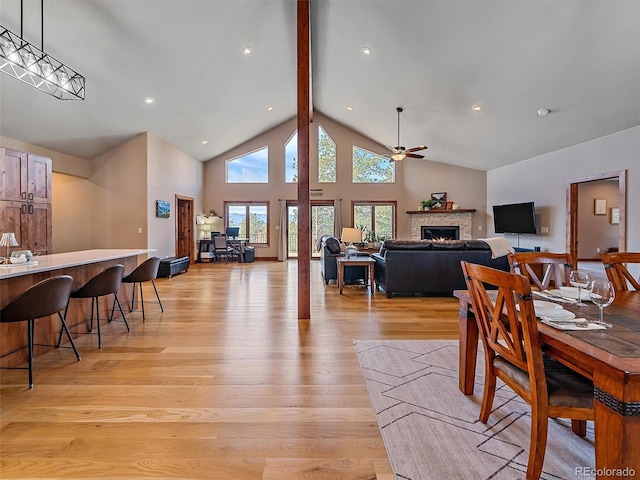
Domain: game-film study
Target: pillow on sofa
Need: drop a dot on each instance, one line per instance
(332, 244)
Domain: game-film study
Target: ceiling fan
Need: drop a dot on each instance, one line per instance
(399, 153)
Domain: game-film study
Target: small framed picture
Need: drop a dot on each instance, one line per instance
(615, 216)
(440, 198)
(600, 206)
(163, 209)
(449, 206)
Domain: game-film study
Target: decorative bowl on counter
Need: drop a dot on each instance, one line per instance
(18, 260)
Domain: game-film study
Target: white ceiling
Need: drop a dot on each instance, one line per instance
(578, 58)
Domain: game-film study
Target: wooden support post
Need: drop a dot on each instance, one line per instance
(304, 119)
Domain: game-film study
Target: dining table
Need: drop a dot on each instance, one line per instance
(609, 357)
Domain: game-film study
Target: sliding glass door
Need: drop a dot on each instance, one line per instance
(322, 218)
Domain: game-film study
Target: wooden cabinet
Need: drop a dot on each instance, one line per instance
(25, 199)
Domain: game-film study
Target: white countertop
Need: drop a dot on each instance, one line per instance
(70, 259)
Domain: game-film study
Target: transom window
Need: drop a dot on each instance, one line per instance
(377, 218)
(369, 167)
(252, 218)
(326, 157)
(252, 167)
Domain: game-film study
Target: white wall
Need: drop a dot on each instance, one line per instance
(119, 199)
(543, 180)
(171, 172)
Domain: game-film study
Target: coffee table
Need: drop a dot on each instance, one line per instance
(369, 262)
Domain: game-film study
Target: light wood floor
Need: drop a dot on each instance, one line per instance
(226, 384)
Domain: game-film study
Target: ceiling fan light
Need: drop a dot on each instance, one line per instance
(398, 157)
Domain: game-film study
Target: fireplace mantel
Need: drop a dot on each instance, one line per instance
(436, 211)
(441, 217)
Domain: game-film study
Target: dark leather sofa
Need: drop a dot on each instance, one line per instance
(426, 267)
(329, 251)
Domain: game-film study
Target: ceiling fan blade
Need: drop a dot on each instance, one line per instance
(419, 147)
(414, 155)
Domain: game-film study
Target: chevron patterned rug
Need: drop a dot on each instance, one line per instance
(431, 430)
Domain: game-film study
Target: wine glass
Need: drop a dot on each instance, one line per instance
(602, 294)
(579, 279)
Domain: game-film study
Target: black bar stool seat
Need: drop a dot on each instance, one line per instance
(147, 271)
(104, 283)
(45, 298)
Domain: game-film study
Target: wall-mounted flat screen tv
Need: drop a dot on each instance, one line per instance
(517, 218)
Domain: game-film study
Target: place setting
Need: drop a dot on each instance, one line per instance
(599, 292)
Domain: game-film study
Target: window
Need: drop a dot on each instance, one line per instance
(378, 218)
(326, 157)
(290, 163)
(252, 167)
(252, 218)
(369, 167)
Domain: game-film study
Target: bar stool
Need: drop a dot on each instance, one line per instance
(43, 299)
(147, 271)
(104, 283)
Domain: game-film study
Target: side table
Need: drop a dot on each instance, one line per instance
(356, 262)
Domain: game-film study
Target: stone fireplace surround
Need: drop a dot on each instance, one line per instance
(448, 218)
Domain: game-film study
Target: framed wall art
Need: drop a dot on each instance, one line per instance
(615, 216)
(600, 206)
(163, 209)
(440, 199)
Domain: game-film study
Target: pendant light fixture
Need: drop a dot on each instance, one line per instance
(26, 62)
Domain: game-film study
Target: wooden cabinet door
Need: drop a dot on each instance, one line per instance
(13, 175)
(39, 179)
(13, 217)
(38, 225)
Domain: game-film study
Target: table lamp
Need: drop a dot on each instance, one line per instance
(351, 235)
(8, 240)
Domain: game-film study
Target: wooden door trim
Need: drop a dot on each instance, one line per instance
(192, 221)
(572, 208)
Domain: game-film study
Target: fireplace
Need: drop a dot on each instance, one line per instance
(439, 232)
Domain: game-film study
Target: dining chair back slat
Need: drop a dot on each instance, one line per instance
(617, 272)
(554, 268)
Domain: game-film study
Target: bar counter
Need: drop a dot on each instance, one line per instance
(82, 266)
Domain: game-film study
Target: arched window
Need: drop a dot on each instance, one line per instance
(326, 157)
(290, 159)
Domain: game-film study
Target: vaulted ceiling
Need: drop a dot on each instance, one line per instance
(577, 58)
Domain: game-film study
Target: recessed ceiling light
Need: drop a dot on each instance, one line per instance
(247, 50)
(269, 108)
(477, 107)
(543, 112)
(204, 142)
(366, 50)
(350, 108)
(149, 100)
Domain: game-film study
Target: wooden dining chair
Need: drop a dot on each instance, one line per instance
(543, 269)
(617, 273)
(514, 355)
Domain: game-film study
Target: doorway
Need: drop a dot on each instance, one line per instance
(322, 219)
(573, 186)
(185, 219)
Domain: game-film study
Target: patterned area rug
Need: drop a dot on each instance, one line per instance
(431, 430)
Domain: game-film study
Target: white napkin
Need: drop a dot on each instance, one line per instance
(571, 324)
(548, 296)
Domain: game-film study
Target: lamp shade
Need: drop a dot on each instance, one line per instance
(8, 240)
(351, 235)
